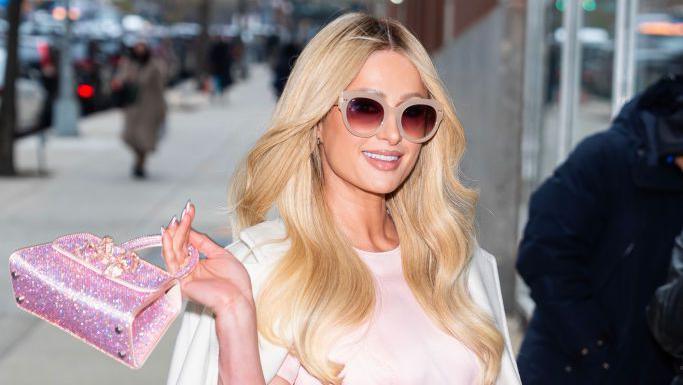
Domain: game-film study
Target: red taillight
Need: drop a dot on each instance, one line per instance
(44, 53)
(85, 91)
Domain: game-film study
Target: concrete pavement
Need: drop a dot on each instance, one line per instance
(89, 188)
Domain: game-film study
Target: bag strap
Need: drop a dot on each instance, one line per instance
(149, 241)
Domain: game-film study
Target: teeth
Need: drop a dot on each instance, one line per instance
(386, 158)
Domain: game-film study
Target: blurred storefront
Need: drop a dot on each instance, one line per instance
(530, 79)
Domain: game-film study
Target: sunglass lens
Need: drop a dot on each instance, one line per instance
(418, 120)
(364, 114)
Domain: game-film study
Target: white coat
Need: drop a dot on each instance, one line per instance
(195, 356)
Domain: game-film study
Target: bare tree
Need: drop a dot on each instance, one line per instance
(8, 106)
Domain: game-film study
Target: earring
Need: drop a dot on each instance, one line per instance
(317, 141)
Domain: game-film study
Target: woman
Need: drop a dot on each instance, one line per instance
(371, 275)
(143, 79)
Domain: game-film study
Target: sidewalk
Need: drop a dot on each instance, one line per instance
(89, 188)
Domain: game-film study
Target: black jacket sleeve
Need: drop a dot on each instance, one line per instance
(665, 312)
(567, 215)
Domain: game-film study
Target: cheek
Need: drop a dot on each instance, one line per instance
(411, 155)
(341, 147)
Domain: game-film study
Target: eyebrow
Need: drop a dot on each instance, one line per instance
(403, 97)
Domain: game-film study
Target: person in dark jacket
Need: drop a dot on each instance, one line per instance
(220, 60)
(665, 312)
(596, 246)
(285, 62)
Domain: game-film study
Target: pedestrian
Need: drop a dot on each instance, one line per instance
(285, 61)
(141, 80)
(49, 78)
(665, 312)
(597, 244)
(239, 53)
(371, 272)
(220, 60)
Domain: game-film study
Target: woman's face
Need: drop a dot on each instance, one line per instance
(348, 158)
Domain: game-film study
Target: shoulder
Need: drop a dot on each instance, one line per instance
(261, 244)
(602, 150)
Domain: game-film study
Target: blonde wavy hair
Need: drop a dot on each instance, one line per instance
(321, 288)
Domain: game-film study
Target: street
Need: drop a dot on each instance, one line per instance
(89, 189)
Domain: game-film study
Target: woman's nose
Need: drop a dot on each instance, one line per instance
(389, 130)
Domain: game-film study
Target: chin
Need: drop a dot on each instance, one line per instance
(381, 187)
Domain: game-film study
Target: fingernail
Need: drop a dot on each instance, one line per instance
(182, 215)
(162, 231)
(187, 205)
(174, 220)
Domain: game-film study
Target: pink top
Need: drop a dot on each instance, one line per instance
(401, 345)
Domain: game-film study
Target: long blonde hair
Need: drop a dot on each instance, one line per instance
(321, 288)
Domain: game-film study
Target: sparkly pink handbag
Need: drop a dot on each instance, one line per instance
(99, 292)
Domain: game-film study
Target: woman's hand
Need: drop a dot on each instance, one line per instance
(220, 281)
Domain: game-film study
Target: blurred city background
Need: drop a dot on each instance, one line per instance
(529, 80)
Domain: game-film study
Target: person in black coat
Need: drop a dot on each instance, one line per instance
(665, 312)
(285, 62)
(220, 60)
(597, 244)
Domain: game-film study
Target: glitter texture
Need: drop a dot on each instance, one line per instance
(123, 314)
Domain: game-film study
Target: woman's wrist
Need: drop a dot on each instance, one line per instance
(239, 360)
(236, 312)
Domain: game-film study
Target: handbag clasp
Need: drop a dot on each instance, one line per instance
(115, 264)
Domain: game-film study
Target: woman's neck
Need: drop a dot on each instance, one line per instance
(361, 215)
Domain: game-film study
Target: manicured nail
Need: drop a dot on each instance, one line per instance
(162, 231)
(185, 210)
(174, 220)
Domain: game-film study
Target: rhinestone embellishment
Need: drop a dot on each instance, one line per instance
(115, 264)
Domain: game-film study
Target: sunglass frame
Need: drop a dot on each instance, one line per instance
(346, 96)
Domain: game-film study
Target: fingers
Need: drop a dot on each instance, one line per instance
(180, 237)
(208, 247)
(167, 251)
(175, 238)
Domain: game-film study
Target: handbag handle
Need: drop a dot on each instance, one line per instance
(149, 241)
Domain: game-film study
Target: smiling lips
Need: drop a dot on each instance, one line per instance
(383, 160)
